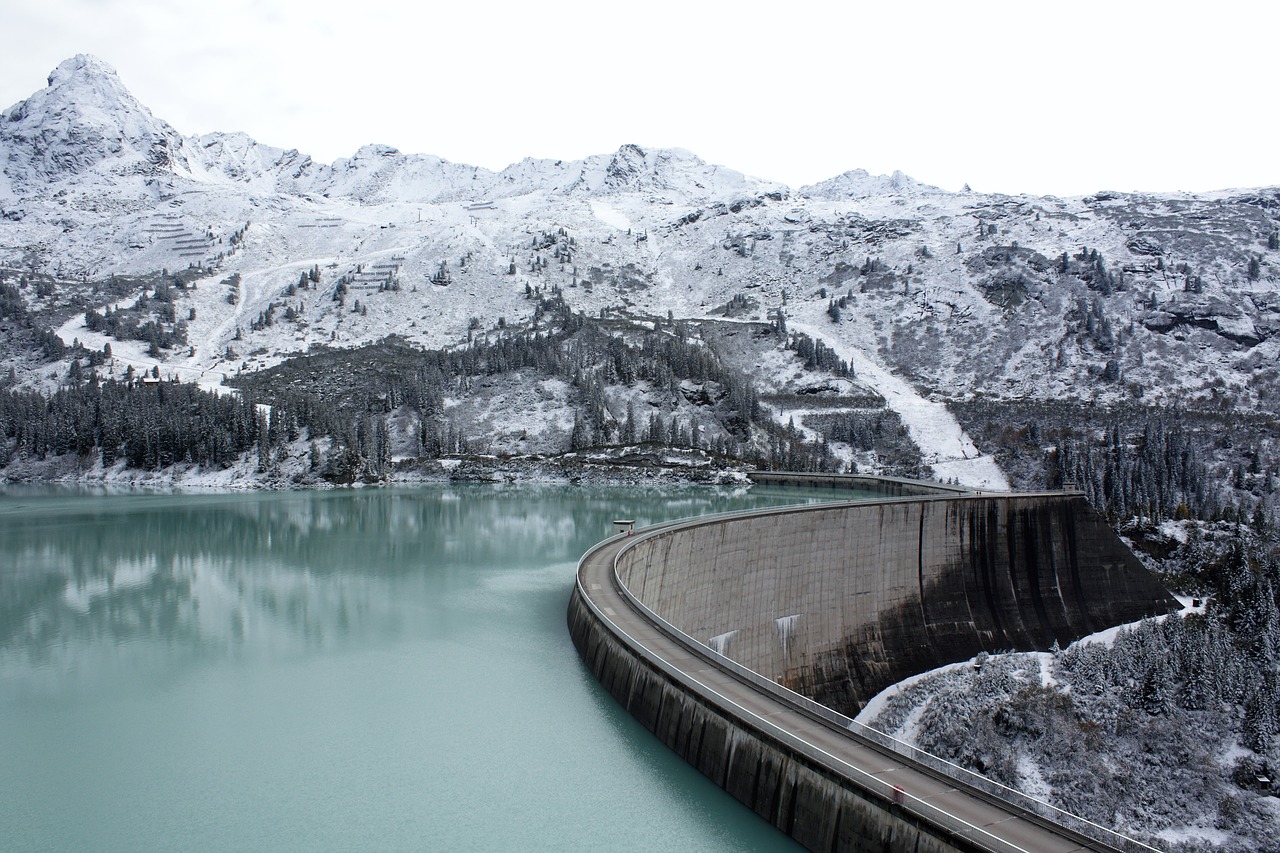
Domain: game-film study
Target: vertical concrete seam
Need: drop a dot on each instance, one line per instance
(924, 607)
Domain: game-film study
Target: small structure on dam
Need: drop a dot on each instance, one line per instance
(835, 602)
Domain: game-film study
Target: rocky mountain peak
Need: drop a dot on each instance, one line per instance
(81, 68)
(859, 183)
(85, 121)
(83, 118)
(672, 173)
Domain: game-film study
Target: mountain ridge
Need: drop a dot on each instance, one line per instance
(85, 93)
(1113, 298)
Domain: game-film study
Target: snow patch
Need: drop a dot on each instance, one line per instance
(1107, 637)
(610, 216)
(1191, 605)
(1030, 780)
(1185, 834)
(1047, 678)
(878, 702)
(909, 731)
(1176, 530)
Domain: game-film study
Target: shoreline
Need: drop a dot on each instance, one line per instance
(674, 468)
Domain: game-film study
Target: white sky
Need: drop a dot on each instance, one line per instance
(1038, 97)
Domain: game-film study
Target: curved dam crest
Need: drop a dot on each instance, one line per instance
(836, 603)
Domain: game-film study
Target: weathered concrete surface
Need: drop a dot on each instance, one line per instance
(838, 603)
(819, 809)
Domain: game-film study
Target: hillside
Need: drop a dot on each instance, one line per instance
(934, 299)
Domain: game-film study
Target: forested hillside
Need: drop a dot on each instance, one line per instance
(635, 389)
(1166, 731)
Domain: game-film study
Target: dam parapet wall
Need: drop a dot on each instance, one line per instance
(889, 487)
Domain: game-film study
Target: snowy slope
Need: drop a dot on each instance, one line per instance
(932, 295)
(944, 445)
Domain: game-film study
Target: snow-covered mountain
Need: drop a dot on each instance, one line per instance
(84, 121)
(931, 295)
(636, 311)
(85, 124)
(858, 183)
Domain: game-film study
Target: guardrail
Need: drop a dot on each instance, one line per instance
(847, 725)
(906, 487)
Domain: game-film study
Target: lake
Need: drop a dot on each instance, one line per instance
(371, 669)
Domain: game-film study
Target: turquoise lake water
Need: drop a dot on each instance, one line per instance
(345, 670)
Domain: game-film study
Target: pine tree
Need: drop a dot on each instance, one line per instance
(1260, 715)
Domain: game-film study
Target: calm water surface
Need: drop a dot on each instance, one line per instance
(352, 670)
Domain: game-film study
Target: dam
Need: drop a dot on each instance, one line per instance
(746, 643)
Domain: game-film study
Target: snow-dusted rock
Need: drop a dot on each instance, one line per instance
(85, 119)
(858, 183)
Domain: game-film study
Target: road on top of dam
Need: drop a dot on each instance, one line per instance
(960, 812)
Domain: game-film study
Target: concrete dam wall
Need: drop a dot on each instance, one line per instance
(818, 808)
(694, 626)
(839, 602)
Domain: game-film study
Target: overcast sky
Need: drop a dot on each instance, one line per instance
(1037, 97)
